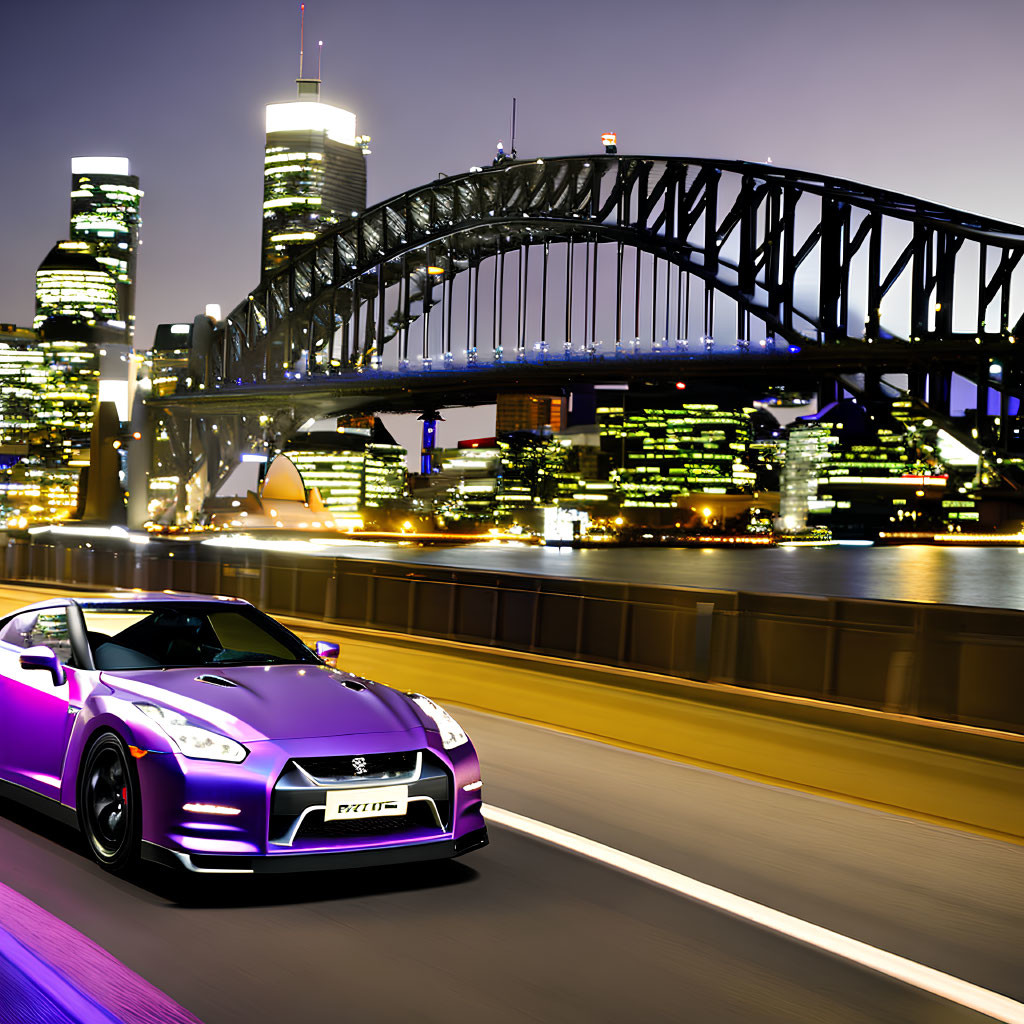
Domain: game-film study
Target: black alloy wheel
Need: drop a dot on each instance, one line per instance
(108, 804)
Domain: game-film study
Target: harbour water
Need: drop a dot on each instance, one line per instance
(987, 577)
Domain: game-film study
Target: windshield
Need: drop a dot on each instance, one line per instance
(187, 634)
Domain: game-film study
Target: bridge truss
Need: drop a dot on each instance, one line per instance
(528, 274)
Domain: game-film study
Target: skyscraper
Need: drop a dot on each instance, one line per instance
(105, 199)
(85, 288)
(85, 317)
(314, 173)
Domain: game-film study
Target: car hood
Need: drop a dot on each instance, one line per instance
(274, 702)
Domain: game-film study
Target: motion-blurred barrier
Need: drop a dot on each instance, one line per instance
(951, 663)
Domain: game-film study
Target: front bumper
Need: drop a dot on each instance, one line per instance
(280, 822)
(219, 864)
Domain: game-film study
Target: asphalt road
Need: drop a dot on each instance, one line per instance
(522, 931)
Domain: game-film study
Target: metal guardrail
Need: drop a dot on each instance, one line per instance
(950, 663)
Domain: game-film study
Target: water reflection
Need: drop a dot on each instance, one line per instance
(992, 577)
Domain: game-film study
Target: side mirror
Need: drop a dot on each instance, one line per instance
(326, 651)
(42, 659)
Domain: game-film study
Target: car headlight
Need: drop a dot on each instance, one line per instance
(193, 740)
(452, 734)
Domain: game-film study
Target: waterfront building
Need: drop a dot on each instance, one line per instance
(662, 446)
(462, 488)
(353, 472)
(510, 480)
(856, 471)
(314, 173)
(282, 501)
(534, 472)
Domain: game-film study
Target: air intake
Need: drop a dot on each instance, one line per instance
(215, 680)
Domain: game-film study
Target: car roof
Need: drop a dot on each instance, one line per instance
(127, 597)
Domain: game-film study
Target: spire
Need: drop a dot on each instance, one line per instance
(309, 88)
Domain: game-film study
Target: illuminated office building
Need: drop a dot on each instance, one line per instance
(464, 483)
(79, 354)
(39, 461)
(72, 284)
(105, 201)
(513, 478)
(384, 475)
(857, 471)
(661, 446)
(314, 173)
(353, 472)
(85, 293)
(23, 378)
(534, 472)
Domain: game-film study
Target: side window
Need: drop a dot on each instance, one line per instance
(18, 629)
(46, 628)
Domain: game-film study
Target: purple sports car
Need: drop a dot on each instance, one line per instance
(198, 732)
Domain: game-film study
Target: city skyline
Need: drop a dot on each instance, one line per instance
(191, 121)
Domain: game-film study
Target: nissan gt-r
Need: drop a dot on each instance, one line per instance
(200, 733)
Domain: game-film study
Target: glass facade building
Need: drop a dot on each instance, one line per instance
(105, 201)
(353, 472)
(72, 284)
(314, 173)
(664, 447)
(23, 378)
(80, 352)
(856, 471)
(41, 448)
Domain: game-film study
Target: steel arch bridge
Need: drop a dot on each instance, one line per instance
(555, 271)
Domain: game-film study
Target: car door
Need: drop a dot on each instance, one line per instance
(34, 718)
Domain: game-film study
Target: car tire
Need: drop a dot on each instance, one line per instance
(109, 805)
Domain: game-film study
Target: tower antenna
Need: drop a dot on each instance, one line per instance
(302, 32)
(513, 151)
(319, 58)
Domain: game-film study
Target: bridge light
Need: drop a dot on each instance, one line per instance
(681, 385)
(995, 369)
(434, 271)
(609, 140)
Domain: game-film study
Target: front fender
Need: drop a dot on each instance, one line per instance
(115, 715)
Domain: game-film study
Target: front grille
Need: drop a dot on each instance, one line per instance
(297, 792)
(314, 827)
(346, 769)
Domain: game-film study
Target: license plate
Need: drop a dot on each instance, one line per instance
(378, 802)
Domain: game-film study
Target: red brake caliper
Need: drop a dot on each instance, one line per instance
(124, 794)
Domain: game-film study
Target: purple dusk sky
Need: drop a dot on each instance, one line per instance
(921, 97)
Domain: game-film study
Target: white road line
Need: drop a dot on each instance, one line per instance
(992, 1004)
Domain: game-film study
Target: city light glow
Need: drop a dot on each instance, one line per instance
(338, 124)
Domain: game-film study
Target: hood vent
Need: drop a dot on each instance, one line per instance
(216, 680)
(353, 684)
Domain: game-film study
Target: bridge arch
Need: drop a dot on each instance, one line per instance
(801, 258)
